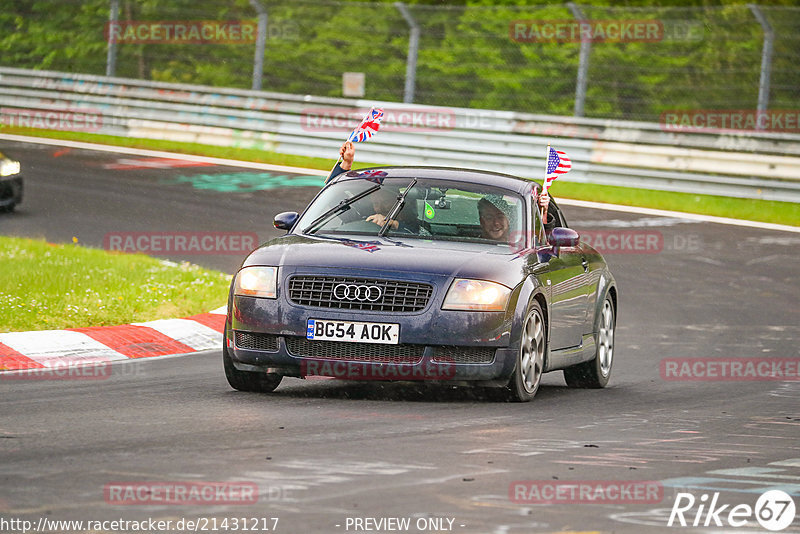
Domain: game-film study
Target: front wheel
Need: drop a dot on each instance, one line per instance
(527, 376)
(247, 380)
(596, 372)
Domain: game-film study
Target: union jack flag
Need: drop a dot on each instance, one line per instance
(557, 164)
(368, 127)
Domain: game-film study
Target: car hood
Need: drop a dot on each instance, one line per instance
(410, 255)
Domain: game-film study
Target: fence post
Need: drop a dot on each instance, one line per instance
(111, 56)
(261, 42)
(766, 64)
(413, 49)
(583, 64)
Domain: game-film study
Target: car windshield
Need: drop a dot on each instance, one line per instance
(432, 210)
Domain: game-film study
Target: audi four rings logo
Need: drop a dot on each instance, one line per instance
(359, 293)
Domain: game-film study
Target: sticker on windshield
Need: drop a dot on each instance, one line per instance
(429, 212)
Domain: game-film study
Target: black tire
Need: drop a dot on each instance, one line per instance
(596, 372)
(247, 380)
(527, 377)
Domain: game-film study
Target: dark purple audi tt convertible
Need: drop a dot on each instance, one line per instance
(420, 273)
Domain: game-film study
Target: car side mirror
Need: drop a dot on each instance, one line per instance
(564, 237)
(285, 220)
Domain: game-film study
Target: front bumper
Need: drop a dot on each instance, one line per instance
(269, 335)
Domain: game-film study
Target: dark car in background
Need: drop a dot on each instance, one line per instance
(431, 296)
(10, 183)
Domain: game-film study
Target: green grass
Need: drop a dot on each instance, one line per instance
(737, 208)
(48, 286)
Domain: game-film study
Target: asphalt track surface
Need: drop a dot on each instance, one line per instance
(324, 453)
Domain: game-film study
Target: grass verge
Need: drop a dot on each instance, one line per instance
(737, 208)
(50, 286)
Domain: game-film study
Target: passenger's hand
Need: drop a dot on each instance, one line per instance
(544, 199)
(348, 154)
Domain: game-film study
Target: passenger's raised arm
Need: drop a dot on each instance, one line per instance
(347, 154)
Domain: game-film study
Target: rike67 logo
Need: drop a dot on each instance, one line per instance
(774, 510)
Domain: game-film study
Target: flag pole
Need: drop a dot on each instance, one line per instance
(544, 184)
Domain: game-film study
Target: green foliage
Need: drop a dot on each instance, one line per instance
(709, 58)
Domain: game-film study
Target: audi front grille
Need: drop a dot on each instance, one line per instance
(359, 293)
(355, 352)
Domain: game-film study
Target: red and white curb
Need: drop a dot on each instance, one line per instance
(102, 344)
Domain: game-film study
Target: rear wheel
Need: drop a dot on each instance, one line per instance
(596, 372)
(527, 376)
(247, 380)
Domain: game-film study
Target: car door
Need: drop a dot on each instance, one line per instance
(568, 292)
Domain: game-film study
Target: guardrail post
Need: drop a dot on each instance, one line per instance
(413, 49)
(583, 62)
(766, 63)
(111, 56)
(261, 43)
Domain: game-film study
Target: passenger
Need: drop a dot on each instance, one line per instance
(494, 214)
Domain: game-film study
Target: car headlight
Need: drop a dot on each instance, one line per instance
(9, 167)
(257, 282)
(478, 295)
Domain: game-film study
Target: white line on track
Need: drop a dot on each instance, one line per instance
(317, 172)
(678, 215)
(160, 154)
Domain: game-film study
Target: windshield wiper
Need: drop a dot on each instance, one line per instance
(344, 205)
(401, 201)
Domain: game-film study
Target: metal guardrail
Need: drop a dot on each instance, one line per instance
(634, 154)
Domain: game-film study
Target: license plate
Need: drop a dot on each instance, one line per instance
(321, 329)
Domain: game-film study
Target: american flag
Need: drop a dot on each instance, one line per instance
(368, 127)
(557, 164)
